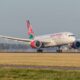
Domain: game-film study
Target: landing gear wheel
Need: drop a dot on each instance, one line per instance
(59, 51)
(40, 50)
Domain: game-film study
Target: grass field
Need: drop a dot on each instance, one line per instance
(43, 59)
(40, 59)
(36, 74)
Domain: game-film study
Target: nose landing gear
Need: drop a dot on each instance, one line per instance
(59, 50)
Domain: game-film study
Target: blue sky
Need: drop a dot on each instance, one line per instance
(46, 16)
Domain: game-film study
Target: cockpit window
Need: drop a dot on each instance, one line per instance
(71, 35)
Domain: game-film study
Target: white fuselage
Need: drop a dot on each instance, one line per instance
(56, 39)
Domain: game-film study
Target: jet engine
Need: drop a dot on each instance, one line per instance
(76, 45)
(36, 44)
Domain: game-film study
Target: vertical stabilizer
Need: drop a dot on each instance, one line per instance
(30, 31)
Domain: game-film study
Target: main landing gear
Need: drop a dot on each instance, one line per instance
(59, 51)
(39, 50)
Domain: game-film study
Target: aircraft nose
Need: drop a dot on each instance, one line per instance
(73, 39)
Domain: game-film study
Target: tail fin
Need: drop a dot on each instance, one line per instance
(30, 31)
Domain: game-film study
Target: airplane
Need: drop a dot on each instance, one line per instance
(49, 40)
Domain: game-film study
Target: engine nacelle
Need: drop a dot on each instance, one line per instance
(36, 44)
(76, 45)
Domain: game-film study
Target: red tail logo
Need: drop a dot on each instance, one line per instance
(29, 26)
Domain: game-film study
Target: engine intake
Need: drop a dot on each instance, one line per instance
(36, 44)
(76, 45)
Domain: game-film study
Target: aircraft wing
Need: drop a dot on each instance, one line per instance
(14, 38)
(46, 43)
